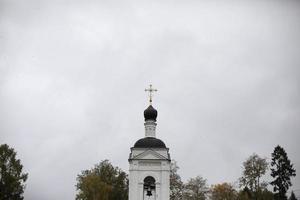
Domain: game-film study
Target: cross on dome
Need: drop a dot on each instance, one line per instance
(150, 90)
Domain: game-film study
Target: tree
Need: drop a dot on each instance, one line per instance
(224, 191)
(93, 188)
(266, 195)
(254, 168)
(292, 197)
(244, 194)
(196, 189)
(103, 182)
(176, 185)
(281, 170)
(12, 179)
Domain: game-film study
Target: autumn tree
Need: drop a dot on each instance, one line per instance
(281, 170)
(176, 185)
(224, 191)
(12, 179)
(196, 189)
(254, 168)
(103, 182)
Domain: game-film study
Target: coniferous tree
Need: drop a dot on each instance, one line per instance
(292, 197)
(282, 170)
(12, 179)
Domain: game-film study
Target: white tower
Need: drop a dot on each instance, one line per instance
(149, 163)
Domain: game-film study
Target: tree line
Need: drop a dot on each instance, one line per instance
(250, 184)
(107, 182)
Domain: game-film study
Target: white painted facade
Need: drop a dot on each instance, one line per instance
(153, 162)
(150, 128)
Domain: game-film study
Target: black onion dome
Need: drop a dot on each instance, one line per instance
(149, 142)
(150, 113)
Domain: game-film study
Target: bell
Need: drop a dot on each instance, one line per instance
(149, 193)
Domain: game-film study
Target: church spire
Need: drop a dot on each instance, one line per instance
(150, 115)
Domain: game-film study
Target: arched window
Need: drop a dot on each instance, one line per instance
(149, 186)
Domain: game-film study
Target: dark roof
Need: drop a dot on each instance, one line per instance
(149, 142)
(150, 113)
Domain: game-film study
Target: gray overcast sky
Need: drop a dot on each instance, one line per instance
(73, 73)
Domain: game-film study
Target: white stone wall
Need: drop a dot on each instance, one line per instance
(140, 168)
(150, 128)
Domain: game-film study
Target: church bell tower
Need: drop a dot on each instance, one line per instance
(149, 162)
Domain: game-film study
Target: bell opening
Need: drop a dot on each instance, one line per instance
(149, 185)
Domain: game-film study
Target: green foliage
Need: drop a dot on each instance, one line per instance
(282, 170)
(245, 194)
(103, 182)
(292, 197)
(224, 191)
(264, 194)
(176, 185)
(254, 168)
(12, 180)
(196, 189)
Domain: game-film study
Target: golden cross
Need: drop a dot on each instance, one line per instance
(150, 90)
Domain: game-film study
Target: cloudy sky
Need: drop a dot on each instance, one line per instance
(73, 74)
